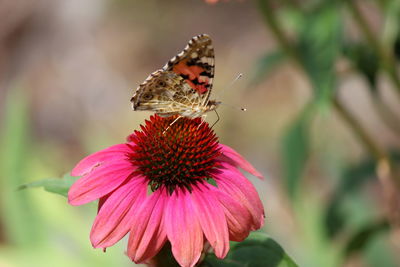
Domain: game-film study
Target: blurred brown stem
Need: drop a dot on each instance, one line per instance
(388, 64)
(356, 127)
(386, 113)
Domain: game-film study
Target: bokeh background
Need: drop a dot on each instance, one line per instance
(321, 87)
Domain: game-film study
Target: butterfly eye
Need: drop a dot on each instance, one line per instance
(147, 96)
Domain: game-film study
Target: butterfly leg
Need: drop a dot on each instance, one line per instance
(216, 120)
(203, 120)
(172, 123)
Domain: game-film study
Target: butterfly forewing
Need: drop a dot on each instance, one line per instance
(196, 65)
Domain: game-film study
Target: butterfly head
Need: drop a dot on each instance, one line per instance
(213, 105)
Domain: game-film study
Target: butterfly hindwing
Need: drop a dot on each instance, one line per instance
(165, 93)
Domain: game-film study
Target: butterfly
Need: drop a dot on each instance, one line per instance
(183, 86)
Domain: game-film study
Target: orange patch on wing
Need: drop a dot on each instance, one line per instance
(192, 72)
(200, 88)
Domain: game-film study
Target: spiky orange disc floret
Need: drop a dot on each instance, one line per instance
(180, 155)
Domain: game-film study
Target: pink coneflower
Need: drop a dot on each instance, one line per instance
(179, 185)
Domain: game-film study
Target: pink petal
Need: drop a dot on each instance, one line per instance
(232, 157)
(212, 219)
(183, 228)
(147, 234)
(232, 182)
(99, 182)
(237, 216)
(115, 216)
(111, 153)
(102, 200)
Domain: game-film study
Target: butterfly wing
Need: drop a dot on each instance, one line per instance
(167, 94)
(195, 64)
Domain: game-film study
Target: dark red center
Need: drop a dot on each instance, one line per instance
(174, 154)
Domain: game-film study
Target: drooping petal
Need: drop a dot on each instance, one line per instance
(148, 234)
(231, 181)
(212, 218)
(99, 182)
(115, 216)
(183, 228)
(116, 152)
(234, 158)
(237, 216)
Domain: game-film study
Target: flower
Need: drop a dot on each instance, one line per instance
(169, 182)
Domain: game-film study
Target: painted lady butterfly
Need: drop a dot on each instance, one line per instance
(183, 86)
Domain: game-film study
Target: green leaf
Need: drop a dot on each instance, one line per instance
(396, 47)
(295, 150)
(353, 179)
(359, 240)
(21, 226)
(379, 251)
(266, 64)
(365, 60)
(319, 47)
(54, 185)
(212, 261)
(258, 250)
(390, 37)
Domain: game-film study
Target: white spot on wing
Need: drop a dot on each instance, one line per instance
(203, 78)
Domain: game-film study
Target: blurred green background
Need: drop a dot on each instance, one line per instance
(321, 86)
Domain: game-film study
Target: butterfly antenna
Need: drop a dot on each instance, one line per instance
(239, 76)
(231, 106)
